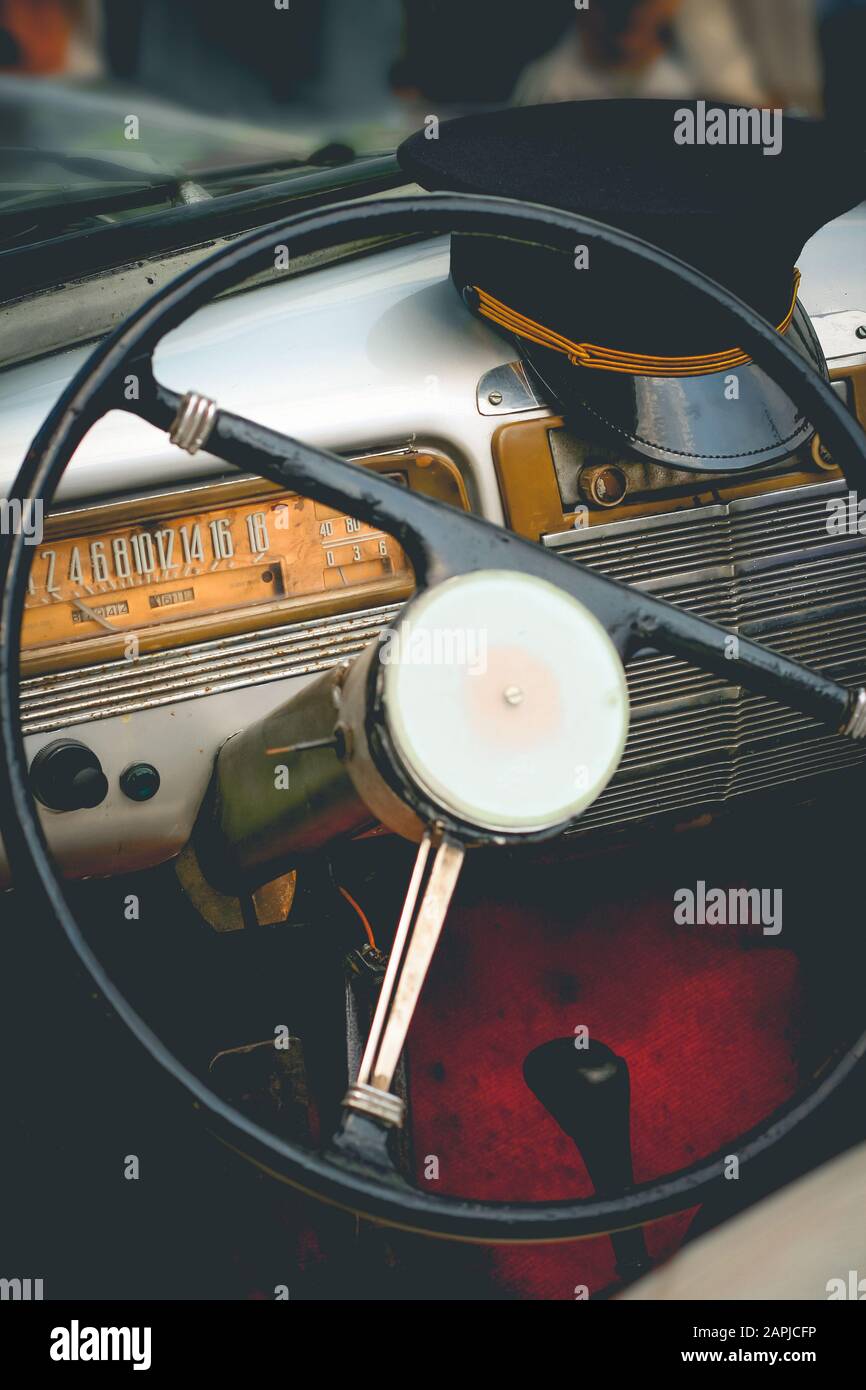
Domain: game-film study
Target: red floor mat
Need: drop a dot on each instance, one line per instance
(704, 1016)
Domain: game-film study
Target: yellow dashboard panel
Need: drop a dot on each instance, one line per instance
(110, 581)
(203, 563)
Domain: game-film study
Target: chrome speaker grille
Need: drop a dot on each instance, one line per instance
(765, 567)
(186, 673)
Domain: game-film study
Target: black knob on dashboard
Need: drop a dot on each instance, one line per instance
(67, 776)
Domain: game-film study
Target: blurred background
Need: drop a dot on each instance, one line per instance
(114, 112)
(297, 75)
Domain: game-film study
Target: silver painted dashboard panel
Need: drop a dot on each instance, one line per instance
(376, 353)
(372, 354)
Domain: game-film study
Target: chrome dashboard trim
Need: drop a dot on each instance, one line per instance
(763, 566)
(59, 699)
(508, 390)
(686, 516)
(856, 725)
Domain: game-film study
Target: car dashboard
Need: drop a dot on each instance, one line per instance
(171, 603)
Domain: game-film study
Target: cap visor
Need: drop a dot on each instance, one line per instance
(724, 421)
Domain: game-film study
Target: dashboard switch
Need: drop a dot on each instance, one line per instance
(67, 776)
(139, 781)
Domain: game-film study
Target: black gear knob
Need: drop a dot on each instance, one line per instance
(588, 1093)
(67, 776)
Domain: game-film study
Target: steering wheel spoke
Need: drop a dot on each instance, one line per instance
(737, 660)
(431, 888)
(431, 534)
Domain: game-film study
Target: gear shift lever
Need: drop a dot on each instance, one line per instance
(587, 1092)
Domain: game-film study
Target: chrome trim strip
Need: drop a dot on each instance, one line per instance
(685, 516)
(856, 725)
(56, 700)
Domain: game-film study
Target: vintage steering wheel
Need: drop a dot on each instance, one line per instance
(444, 546)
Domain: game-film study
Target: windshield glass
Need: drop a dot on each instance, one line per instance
(113, 111)
(69, 153)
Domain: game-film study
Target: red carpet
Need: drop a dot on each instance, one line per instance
(705, 1017)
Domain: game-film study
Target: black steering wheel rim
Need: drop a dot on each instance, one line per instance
(96, 389)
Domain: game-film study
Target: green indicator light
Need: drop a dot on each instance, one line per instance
(140, 781)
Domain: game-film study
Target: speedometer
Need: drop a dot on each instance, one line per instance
(206, 562)
(110, 580)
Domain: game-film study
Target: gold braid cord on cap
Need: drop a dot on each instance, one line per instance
(611, 359)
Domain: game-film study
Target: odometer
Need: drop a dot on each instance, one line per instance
(272, 551)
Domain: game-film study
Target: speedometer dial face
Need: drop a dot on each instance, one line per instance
(134, 578)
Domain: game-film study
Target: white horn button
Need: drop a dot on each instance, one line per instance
(506, 700)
